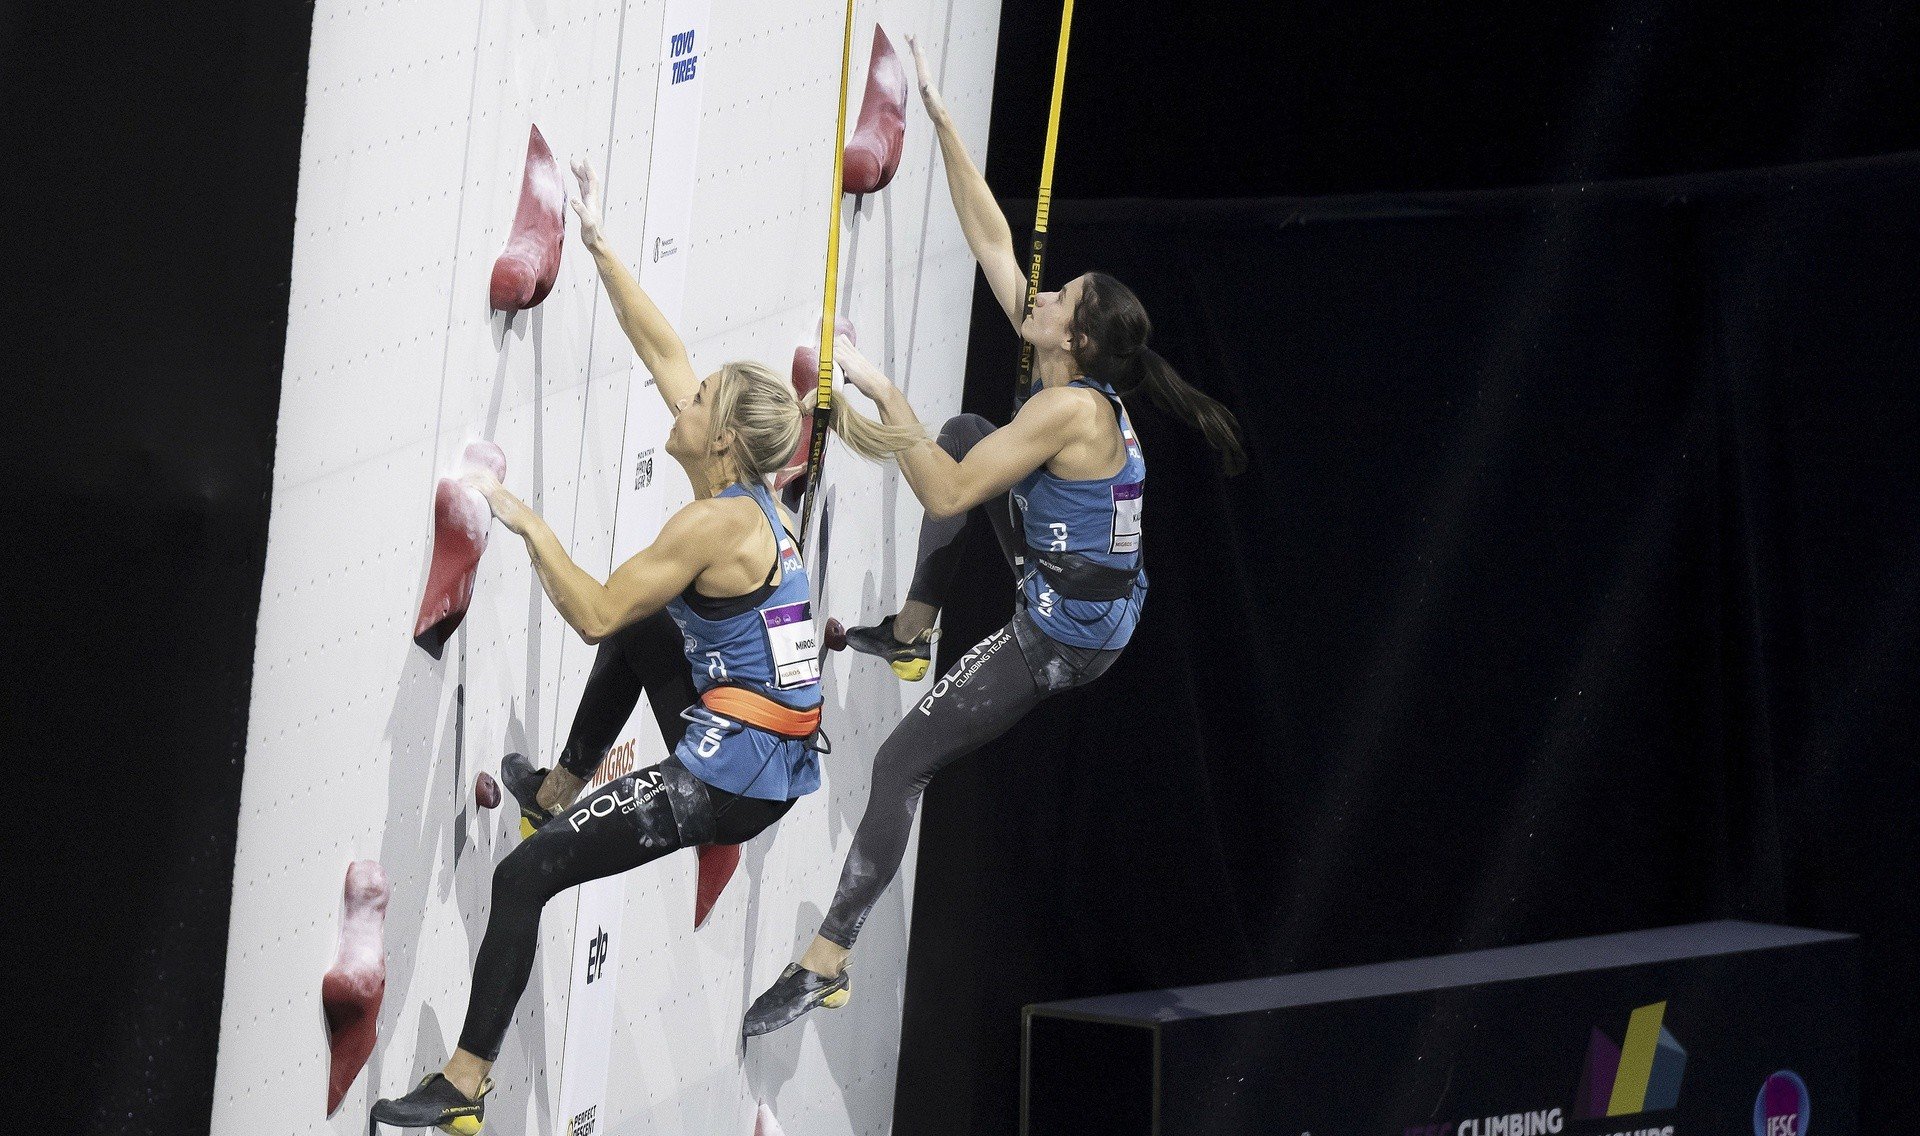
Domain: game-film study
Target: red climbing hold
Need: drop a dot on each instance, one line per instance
(717, 862)
(460, 519)
(879, 138)
(486, 791)
(524, 273)
(836, 636)
(806, 384)
(806, 362)
(350, 993)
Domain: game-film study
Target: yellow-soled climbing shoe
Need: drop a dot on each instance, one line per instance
(797, 991)
(908, 660)
(436, 1103)
(524, 781)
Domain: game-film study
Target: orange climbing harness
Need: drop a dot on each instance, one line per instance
(757, 710)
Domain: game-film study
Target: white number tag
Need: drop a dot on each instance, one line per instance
(1128, 501)
(795, 645)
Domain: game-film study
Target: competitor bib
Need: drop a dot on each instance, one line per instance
(793, 643)
(1128, 502)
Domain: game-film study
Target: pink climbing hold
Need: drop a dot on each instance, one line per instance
(806, 384)
(879, 137)
(486, 791)
(524, 273)
(487, 456)
(806, 362)
(460, 519)
(717, 862)
(350, 993)
(764, 1124)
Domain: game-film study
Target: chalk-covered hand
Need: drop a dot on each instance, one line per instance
(586, 203)
(860, 372)
(929, 94)
(512, 511)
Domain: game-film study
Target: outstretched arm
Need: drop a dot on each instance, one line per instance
(654, 339)
(637, 589)
(986, 229)
(946, 487)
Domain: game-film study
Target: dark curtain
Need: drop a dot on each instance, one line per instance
(1572, 589)
(157, 149)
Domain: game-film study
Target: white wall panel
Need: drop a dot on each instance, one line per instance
(360, 744)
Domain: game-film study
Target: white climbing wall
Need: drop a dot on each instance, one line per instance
(361, 745)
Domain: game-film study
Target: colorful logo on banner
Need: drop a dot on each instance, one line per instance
(1782, 1108)
(1642, 1074)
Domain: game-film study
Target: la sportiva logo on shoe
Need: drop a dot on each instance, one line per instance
(1782, 1108)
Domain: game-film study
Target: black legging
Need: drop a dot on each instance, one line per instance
(631, 821)
(637, 822)
(937, 558)
(645, 656)
(980, 697)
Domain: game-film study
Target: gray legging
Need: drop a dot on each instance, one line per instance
(992, 686)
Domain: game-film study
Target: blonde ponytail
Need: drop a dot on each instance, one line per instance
(763, 413)
(874, 441)
(766, 418)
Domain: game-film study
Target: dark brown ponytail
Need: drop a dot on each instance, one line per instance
(1115, 352)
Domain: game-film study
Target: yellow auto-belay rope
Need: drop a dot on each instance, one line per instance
(823, 410)
(1038, 249)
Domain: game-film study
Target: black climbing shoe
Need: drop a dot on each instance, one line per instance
(435, 1104)
(797, 991)
(908, 660)
(524, 781)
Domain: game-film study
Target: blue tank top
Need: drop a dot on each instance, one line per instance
(1097, 518)
(771, 649)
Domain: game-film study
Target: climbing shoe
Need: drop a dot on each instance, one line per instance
(524, 781)
(797, 991)
(908, 660)
(435, 1104)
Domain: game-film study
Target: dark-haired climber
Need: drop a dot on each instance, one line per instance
(1070, 463)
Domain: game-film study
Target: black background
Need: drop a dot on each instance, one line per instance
(1573, 587)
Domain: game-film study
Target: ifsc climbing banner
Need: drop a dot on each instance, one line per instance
(662, 271)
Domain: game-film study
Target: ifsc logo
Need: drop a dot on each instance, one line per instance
(1782, 1108)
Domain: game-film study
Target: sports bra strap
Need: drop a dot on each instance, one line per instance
(726, 607)
(1112, 397)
